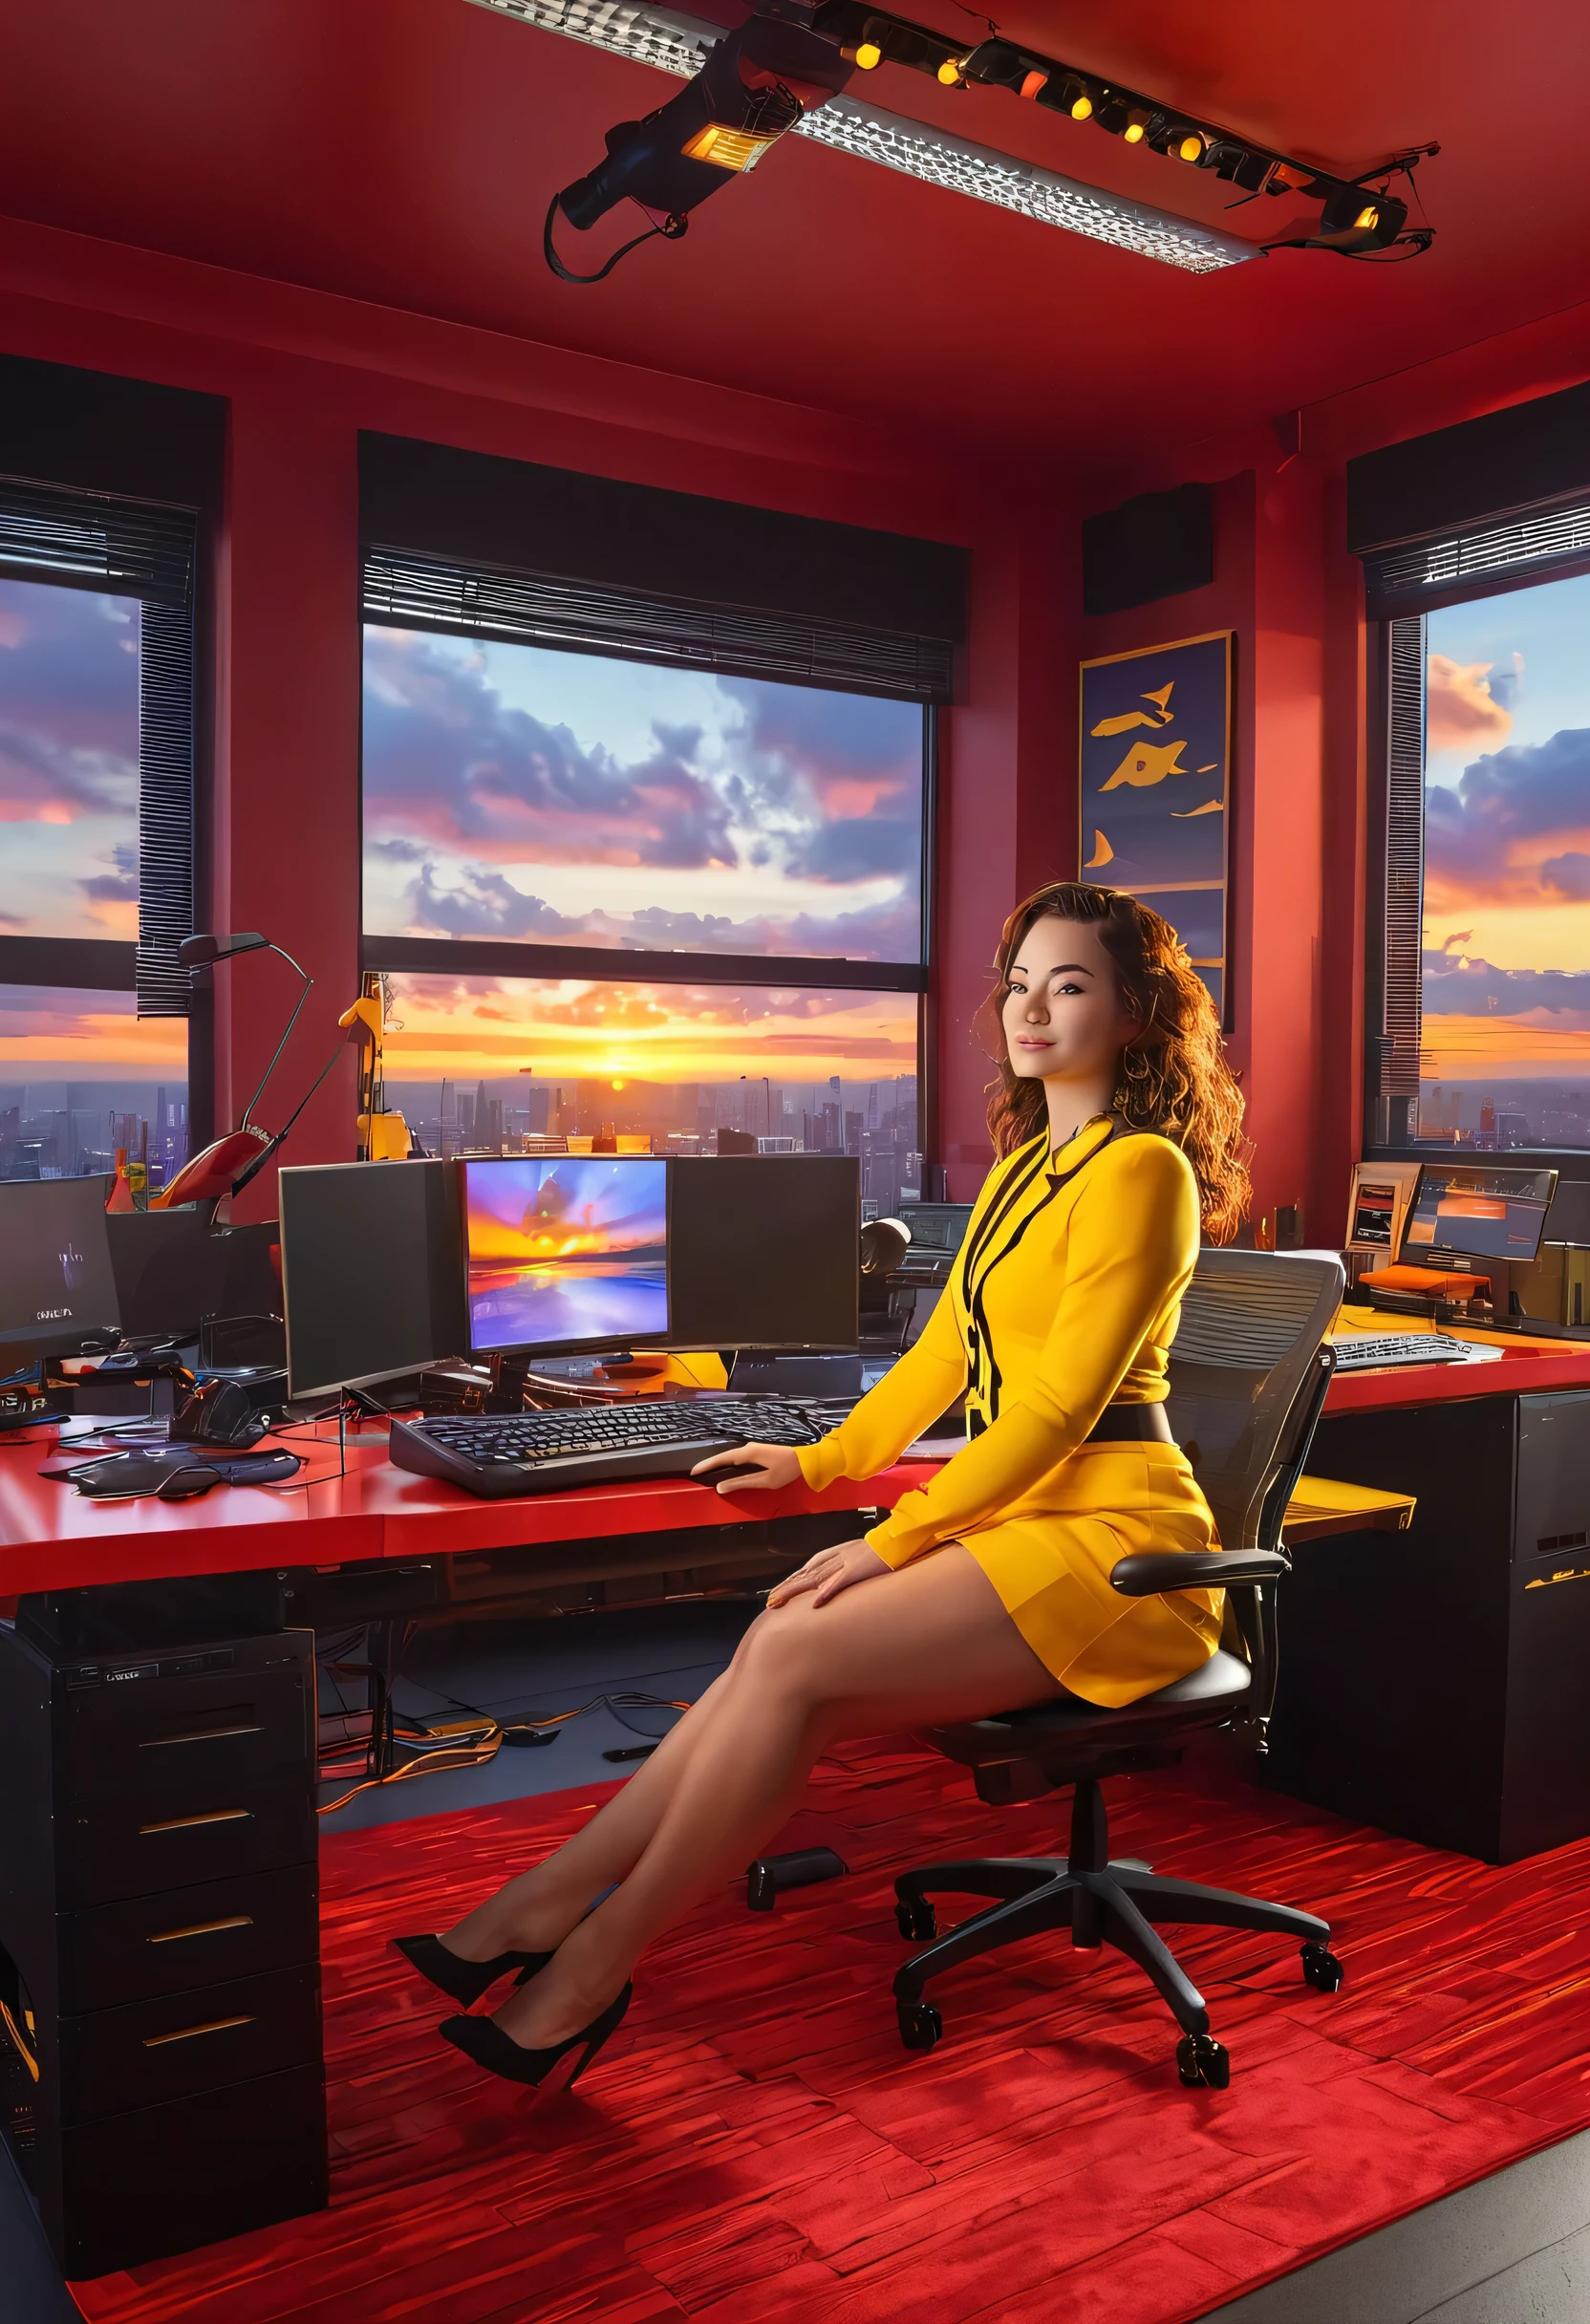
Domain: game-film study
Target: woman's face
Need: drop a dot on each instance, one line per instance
(1063, 1014)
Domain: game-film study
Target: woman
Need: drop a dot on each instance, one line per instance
(1116, 1124)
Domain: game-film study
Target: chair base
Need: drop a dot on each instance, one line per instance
(1100, 1902)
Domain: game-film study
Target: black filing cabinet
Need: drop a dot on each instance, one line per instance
(1437, 1682)
(159, 1969)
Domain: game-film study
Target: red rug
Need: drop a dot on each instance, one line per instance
(756, 2145)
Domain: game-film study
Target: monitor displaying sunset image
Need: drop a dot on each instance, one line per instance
(566, 1252)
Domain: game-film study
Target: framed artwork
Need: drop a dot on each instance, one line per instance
(1155, 759)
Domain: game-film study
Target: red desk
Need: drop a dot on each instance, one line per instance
(1525, 1368)
(51, 1538)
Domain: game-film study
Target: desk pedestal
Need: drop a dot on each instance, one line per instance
(1432, 1681)
(160, 1942)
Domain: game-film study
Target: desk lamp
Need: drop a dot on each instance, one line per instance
(226, 1165)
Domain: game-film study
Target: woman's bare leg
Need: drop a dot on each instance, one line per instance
(928, 1644)
(535, 1911)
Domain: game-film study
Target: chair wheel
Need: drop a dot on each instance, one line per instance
(913, 1918)
(921, 2025)
(1323, 1970)
(1203, 2063)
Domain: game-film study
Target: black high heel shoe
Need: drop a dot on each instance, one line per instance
(465, 1981)
(483, 2040)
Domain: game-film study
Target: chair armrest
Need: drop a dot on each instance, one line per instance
(1156, 1571)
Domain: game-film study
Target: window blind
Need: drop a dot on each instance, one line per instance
(1511, 553)
(1405, 869)
(404, 589)
(69, 537)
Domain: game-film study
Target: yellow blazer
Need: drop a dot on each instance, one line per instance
(1064, 1299)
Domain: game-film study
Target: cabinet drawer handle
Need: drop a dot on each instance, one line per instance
(219, 2025)
(185, 1823)
(201, 1929)
(200, 1734)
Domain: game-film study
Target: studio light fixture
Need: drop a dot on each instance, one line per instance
(786, 70)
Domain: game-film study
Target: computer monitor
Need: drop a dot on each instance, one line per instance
(566, 1252)
(174, 1270)
(1478, 1213)
(372, 1272)
(57, 1284)
(765, 1252)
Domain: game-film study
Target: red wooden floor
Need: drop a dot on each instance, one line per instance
(755, 2145)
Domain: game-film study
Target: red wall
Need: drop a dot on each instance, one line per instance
(305, 370)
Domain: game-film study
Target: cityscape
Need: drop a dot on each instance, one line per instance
(74, 1129)
(875, 1121)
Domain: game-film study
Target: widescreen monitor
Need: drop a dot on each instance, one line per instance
(57, 1284)
(372, 1271)
(1478, 1213)
(764, 1251)
(566, 1252)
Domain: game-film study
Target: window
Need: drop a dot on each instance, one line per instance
(96, 795)
(81, 1075)
(617, 900)
(1490, 826)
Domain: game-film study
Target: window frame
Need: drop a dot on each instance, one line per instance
(530, 959)
(1571, 1162)
(145, 543)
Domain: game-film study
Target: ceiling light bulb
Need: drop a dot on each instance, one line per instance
(1136, 128)
(1191, 148)
(949, 72)
(869, 56)
(1034, 82)
(1081, 108)
(1369, 219)
(1079, 104)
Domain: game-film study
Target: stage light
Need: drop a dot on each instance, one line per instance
(728, 148)
(857, 35)
(738, 104)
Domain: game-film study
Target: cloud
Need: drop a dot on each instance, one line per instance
(1568, 875)
(1460, 707)
(117, 886)
(859, 847)
(443, 752)
(1477, 833)
(488, 905)
(1476, 989)
(69, 700)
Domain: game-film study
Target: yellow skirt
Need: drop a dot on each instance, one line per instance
(1049, 1556)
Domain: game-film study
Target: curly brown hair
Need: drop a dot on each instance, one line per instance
(1173, 1077)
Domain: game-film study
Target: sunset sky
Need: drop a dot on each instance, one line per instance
(515, 793)
(68, 762)
(476, 1027)
(1507, 837)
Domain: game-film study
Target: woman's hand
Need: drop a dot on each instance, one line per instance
(776, 1464)
(829, 1572)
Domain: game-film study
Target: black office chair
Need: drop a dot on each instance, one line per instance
(1248, 1382)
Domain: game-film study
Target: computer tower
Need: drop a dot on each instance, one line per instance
(160, 1980)
(1432, 1681)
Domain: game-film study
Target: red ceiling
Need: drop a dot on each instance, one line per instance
(404, 151)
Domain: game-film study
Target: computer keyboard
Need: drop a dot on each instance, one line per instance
(499, 1454)
(1364, 1351)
